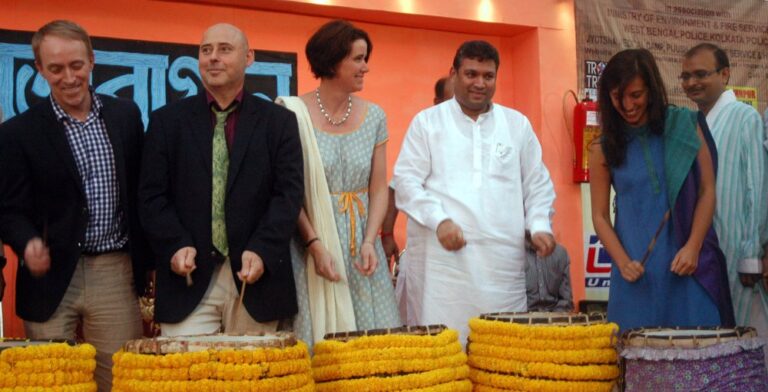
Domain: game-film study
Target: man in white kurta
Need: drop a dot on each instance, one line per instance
(742, 179)
(471, 179)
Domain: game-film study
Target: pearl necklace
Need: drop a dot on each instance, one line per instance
(328, 116)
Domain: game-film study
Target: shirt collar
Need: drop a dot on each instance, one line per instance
(61, 114)
(454, 104)
(725, 98)
(212, 101)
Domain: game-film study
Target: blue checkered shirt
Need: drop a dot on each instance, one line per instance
(95, 161)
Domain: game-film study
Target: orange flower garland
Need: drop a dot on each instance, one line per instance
(55, 366)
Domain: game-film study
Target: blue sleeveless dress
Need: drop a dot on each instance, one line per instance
(660, 297)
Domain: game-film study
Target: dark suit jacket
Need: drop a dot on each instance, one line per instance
(264, 195)
(40, 187)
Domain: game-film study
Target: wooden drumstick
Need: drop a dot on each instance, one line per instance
(655, 237)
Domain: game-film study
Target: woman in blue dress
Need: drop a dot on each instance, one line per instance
(661, 165)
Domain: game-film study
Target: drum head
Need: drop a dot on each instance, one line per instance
(684, 337)
(546, 318)
(180, 344)
(417, 330)
(10, 343)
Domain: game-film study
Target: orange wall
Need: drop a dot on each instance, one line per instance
(411, 50)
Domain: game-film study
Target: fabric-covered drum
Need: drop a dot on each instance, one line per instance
(704, 359)
(542, 352)
(265, 362)
(27, 365)
(427, 358)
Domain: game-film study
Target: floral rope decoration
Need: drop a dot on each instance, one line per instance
(379, 368)
(396, 383)
(56, 366)
(386, 354)
(286, 383)
(553, 332)
(485, 381)
(545, 370)
(569, 357)
(452, 386)
(543, 344)
(444, 338)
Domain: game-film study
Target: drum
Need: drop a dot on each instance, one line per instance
(220, 362)
(702, 359)
(542, 351)
(46, 365)
(406, 358)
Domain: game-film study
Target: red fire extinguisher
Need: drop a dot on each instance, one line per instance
(585, 128)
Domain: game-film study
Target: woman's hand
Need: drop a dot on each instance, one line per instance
(686, 260)
(324, 265)
(368, 260)
(631, 271)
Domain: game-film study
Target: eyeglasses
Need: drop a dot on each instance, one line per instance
(697, 75)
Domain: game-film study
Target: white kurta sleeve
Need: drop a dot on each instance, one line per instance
(413, 167)
(538, 191)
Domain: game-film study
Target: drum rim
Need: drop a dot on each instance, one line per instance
(547, 318)
(727, 332)
(161, 345)
(416, 330)
(16, 342)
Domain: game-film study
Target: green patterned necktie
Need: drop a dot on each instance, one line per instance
(220, 168)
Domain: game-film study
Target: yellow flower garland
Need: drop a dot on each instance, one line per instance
(56, 366)
(396, 383)
(47, 351)
(485, 381)
(453, 386)
(84, 387)
(286, 383)
(444, 338)
(545, 370)
(386, 354)
(569, 357)
(542, 344)
(547, 332)
(349, 370)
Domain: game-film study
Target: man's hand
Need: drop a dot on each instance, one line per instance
(391, 250)
(450, 235)
(324, 265)
(183, 261)
(253, 267)
(368, 259)
(544, 243)
(749, 280)
(37, 257)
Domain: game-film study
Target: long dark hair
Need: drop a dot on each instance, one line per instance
(621, 70)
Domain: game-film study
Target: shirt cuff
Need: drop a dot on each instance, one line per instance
(540, 227)
(751, 265)
(435, 219)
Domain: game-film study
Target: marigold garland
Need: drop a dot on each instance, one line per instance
(385, 354)
(396, 383)
(545, 370)
(542, 344)
(453, 386)
(286, 383)
(444, 338)
(349, 370)
(549, 332)
(55, 366)
(568, 357)
(486, 381)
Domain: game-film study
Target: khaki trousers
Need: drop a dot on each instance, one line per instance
(219, 310)
(102, 295)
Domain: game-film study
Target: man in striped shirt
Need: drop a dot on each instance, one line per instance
(741, 210)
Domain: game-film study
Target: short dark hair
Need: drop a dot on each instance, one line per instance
(64, 29)
(477, 50)
(332, 43)
(721, 58)
(620, 71)
(440, 88)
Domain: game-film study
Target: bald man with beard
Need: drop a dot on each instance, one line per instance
(220, 192)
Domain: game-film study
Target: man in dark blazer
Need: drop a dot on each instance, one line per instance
(199, 281)
(70, 168)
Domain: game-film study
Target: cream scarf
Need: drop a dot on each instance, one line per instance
(330, 303)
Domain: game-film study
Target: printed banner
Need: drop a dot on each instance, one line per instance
(668, 28)
(150, 73)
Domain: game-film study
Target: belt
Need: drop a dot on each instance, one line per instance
(347, 203)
